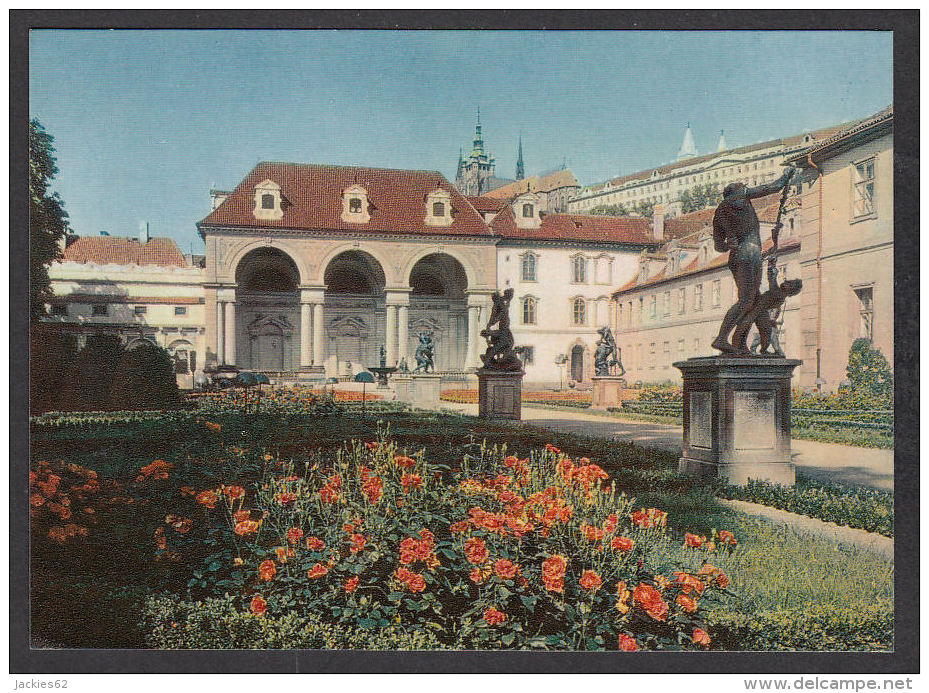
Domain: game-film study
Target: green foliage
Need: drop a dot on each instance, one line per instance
(88, 387)
(609, 210)
(868, 370)
(217, 624)
(48, 222)
(700, 197)
(144, 379)
(860, 508)
(814, 628)
(643, 208)
(51, 355)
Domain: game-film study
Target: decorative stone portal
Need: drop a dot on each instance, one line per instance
(737, 418)
(500, 394)
(607, 391)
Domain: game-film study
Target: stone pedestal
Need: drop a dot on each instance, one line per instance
(737, 418)
(403, 385)
(426, 390)
(608, 391)
(500, 394)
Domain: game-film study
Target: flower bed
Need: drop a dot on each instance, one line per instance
(570, 398)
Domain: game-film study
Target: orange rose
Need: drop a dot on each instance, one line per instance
(315, 544)
(294, 535)
(476, 550)
(622, 544)
(692, 541)
(411, 482)
(207, 499)
(687, 603)
(246, 527)
(627, 644)
(317, 571)
(233, 492)
(722, 580)
(494, 617)
(701, 637)
(590, 581)
(505, 569)
(727, 538)
(416, 583)
(267, 570)
(258, 605)
(351, 584)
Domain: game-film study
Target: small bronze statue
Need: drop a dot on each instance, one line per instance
(424, 353)
(606, 357)
(500, 354)
(736, 229)
(383, 357)
(402, 367)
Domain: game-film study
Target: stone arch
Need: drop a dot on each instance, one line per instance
(469, 270)
(267, 269)
(579, 360)
(438, 275)
(235, 258)
(335, 251)
(354, 271)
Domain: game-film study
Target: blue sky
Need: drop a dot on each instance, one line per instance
(145, 122)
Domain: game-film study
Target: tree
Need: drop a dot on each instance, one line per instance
(48, 221)
(51, 357)
(700, 197)
(868, 370)
(610, 210)
(643, 208)
(88, 388)
(144, 379)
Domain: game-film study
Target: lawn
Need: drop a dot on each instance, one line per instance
(448, 533)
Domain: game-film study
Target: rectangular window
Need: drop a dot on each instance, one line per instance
(580, 311)
(99, 309)
(528, 355)
(681, 300)
(667, 303)
(141, 310)
(528, 311)
(698, 297)
(528, 267)
(354, 205)
(653, 313)
(716, 291)
(629, 313)
(863, 194)
(697, 346)
(651, 355)
(580, 270)
(667, 354)
(865, 312)
(267, 201)
(180, 310)
(59, 309)
(680, 349)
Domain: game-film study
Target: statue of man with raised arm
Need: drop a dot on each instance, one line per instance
(736, 229)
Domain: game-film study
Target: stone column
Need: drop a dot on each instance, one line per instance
(403, 333)
(390, 335)
(220, 328)
(306, 336)
(319, 353)
(473, 335)
(230, 333)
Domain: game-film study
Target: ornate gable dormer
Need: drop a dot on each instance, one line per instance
(268, 201)
(355, 206)
(528, 211)
(439, 208)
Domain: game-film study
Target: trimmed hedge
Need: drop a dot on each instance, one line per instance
(814, 627)
(860, 508)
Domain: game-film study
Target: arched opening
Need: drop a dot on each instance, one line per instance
(267, 311)
(438, 275)
(355, 311)
(354, 272)
(577, 363)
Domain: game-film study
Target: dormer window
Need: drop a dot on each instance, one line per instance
(527, 211)
(439, 208)
(268, 200)
(355, 208)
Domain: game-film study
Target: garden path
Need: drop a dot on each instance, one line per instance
(869, 467)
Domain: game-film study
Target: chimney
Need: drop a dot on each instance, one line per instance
(658, 214)
(143, 232)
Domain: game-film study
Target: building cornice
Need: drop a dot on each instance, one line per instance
(406, 236)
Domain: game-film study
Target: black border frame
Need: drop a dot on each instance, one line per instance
(905, 658)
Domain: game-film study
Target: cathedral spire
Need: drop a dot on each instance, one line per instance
(688, 148)
(520, 169)
(721, 146)
(478, 146)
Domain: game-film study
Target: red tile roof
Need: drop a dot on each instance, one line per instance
(314, 200)
(693, 267)
(694, 222)
(105, 250)
(563, 178)
(577, 227)
(487, 204)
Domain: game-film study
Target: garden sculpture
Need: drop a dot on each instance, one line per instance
(606, 357)
(402, 367)
(424, 353)
(764, 315)
(736, 229)
(500, 355)
(383, 357)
